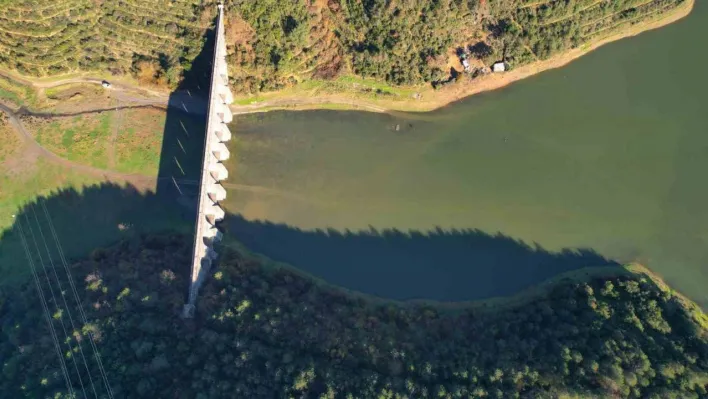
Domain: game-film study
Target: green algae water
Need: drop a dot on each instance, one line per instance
(604, 160)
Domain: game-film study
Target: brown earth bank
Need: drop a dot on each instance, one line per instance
(428, 99)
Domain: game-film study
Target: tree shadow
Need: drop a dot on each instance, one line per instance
(440, 264)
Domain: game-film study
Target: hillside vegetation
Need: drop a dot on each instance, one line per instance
(276, 44)
(269, 332)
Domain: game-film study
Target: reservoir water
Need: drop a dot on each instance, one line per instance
(603, 160)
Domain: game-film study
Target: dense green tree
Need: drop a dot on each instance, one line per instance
(264, 332)
(275, 44)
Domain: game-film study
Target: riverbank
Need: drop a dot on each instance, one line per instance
(355, 93)
(424, 98)
(494, 304)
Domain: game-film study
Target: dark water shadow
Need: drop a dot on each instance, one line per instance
(440, 264)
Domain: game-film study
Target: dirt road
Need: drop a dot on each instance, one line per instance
(186, 100)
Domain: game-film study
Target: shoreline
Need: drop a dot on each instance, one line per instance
(432, 99)
(301, 98)
(491, 304)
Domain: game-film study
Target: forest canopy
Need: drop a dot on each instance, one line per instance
(270, 332)
(275, 44)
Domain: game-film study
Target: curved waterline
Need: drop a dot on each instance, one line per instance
(606, 153)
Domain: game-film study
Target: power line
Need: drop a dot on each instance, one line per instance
(66, 305)
(45, 308)
(78, 301)
(56, 303)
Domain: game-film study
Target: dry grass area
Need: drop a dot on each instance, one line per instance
(139, 141)
(128, 140)
(73, 92)
(77, 138)
(10, 147)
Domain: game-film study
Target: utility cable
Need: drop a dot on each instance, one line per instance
(66, 305)
(78, 300)
(45, 308)
(56, 303)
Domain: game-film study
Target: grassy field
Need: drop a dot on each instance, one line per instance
(16, 93)
(139, 142)
(83, 139)
(24, 177)
(9, 142)
(127, 141)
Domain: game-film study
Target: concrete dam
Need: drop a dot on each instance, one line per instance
(213, 171)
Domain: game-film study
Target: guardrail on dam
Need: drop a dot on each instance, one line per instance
(211, 192)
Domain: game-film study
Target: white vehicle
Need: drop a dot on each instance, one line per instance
(105, 84)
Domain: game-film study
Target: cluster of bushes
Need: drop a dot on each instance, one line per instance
(558, 25)
(263, 332)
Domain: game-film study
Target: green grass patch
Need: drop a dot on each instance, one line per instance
(140, 160)
(10, 91)
(83, 139)
(9, 95)
(248, 100)
(68, 139)
(17, 93)
(139, 141)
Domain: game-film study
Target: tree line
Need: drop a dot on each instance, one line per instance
(271, 332)
(278, 44)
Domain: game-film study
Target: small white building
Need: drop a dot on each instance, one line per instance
(466, 65)
(499, 67)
